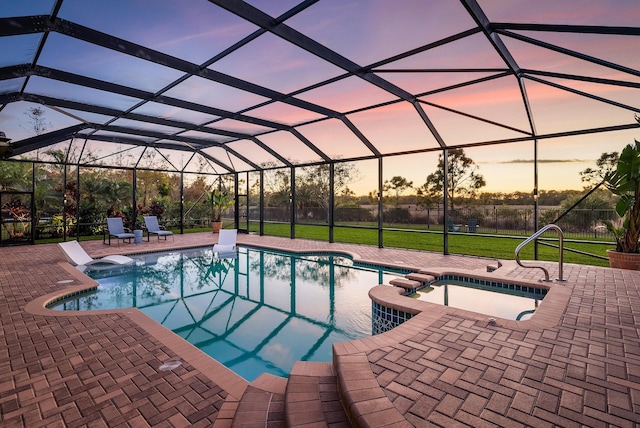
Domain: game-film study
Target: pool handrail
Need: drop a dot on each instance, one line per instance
(560, 249)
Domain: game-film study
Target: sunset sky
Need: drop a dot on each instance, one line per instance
(595, 82)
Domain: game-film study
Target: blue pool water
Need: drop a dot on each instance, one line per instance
(502, 301)
(259, 312)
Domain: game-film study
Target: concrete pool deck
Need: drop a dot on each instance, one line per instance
(575, 363)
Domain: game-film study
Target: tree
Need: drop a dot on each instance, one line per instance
(424, 201)
(277, 187)
(398, 185)
(584, 216)
(604, 165)
(150, 184)
(463, 178)
(15, 176)
(346, 198)
(315, 182)
(194, 190)
(164, 189)
(93, 203)
(372, 197)
(194, 194)
(37, 121)
(117, 191)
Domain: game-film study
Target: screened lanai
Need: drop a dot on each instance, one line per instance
(323, 119)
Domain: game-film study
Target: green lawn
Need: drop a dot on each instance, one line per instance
(475, 245)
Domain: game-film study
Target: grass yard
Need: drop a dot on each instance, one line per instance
(502, 247)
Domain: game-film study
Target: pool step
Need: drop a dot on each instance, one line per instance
(424, 278)
(262, 403)
(366, 402)
(409, 285)
(312, 397)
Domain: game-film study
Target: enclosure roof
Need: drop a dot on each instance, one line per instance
(240, 86)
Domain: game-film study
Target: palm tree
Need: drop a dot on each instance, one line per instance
(118, 193)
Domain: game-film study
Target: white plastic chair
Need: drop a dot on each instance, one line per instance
(226, 246)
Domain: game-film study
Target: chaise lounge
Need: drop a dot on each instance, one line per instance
(153, 228)
(77, 256)
(116, 229)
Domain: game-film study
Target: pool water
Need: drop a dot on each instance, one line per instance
(492, 301)
(259, 312)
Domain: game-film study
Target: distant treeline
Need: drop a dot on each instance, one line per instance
(546, 197)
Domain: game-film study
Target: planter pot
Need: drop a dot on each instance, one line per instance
(624, 260)
(216, 226)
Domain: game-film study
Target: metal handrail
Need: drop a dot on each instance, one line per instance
(560, 248)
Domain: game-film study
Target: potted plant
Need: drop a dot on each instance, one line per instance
(220, 201)
(624, 181)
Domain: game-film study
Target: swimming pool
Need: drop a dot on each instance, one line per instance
(259, 312)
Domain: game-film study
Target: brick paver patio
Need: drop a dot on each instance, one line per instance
(577, 363)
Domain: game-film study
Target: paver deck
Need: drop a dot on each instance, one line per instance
(575, 364)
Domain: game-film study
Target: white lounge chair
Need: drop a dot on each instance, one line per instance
(116, 229)
(226, 246)
(153, 228)
(77, 256)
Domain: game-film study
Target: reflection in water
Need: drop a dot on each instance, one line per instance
(259, 312)
(508, 304)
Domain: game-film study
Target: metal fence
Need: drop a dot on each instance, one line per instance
(498, 219)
